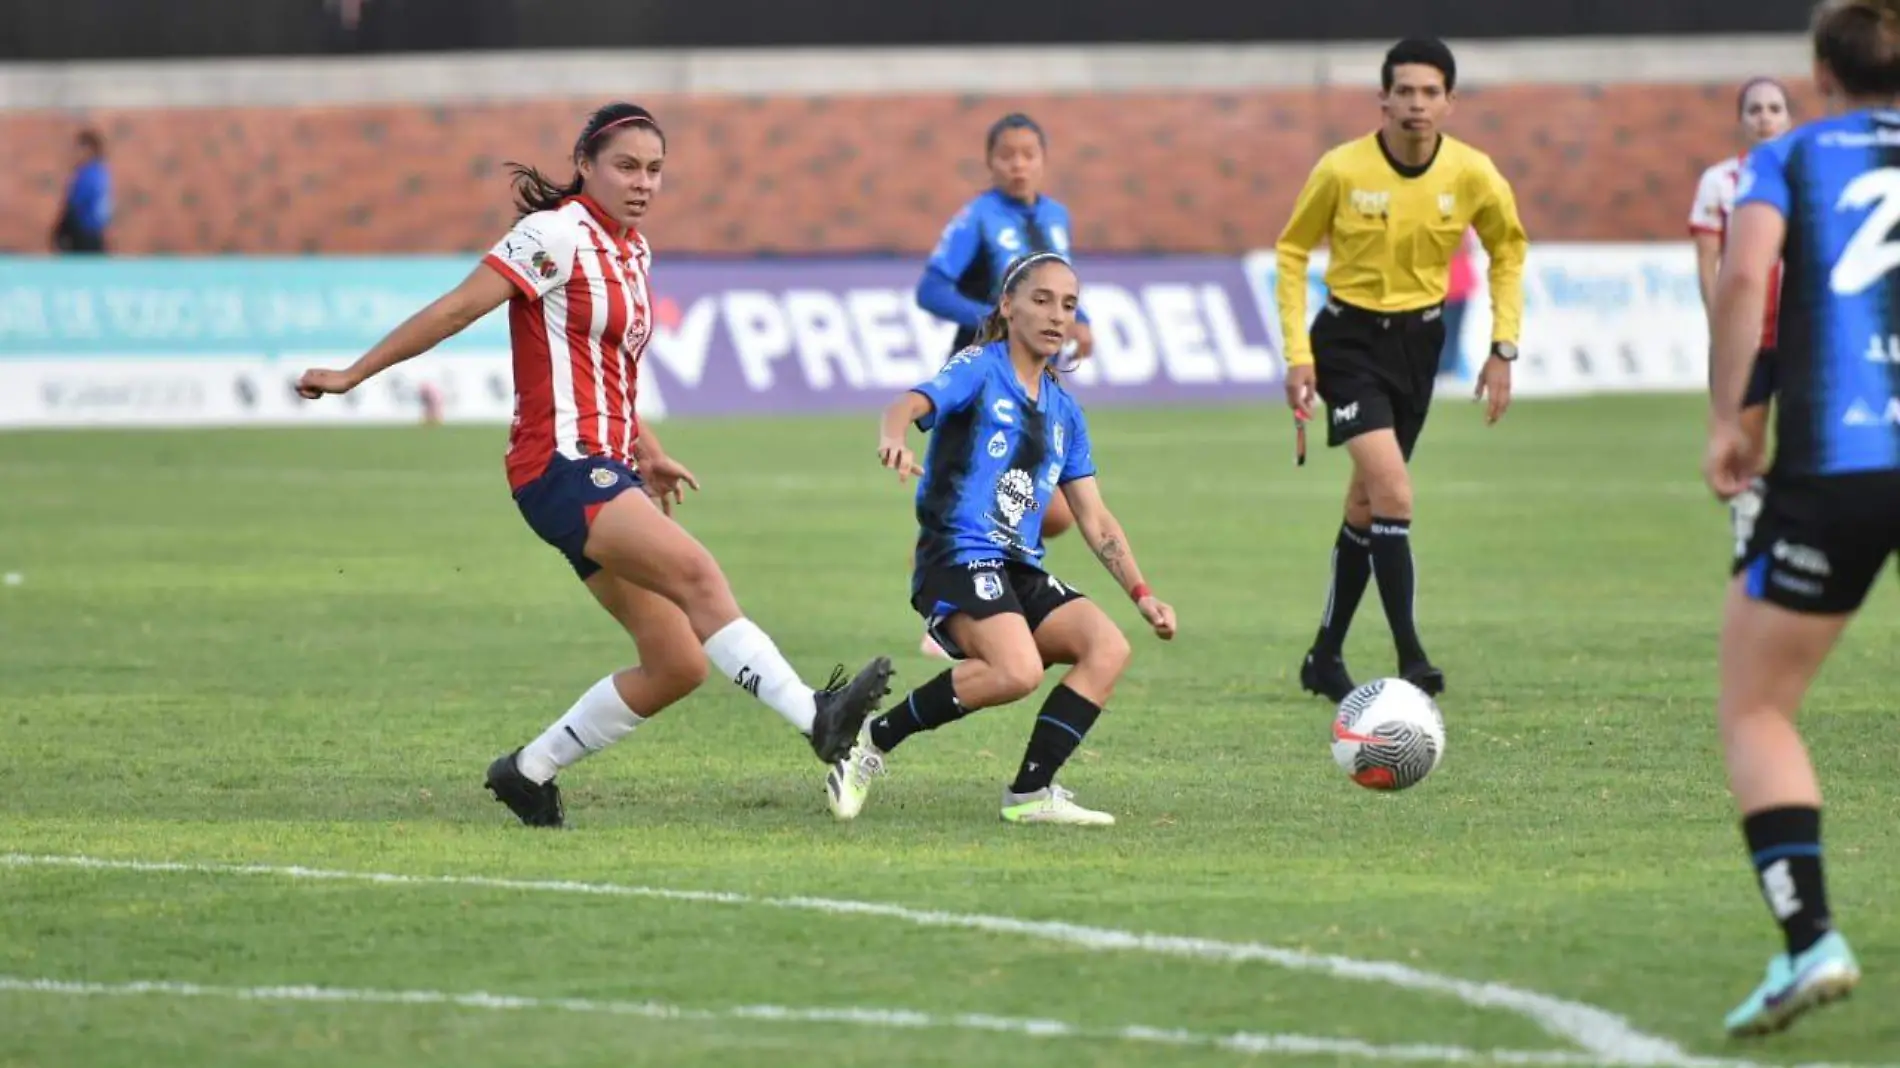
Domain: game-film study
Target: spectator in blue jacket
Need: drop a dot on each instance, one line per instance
(87, 209)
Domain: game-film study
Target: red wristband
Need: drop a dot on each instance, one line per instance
(1140, 591)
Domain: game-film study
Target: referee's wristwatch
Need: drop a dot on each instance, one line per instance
(1504, 350)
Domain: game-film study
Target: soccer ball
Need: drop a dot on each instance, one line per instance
(1389, 735)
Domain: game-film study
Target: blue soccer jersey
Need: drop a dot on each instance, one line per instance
(1837, 183)
(965, 270)
(995, 459)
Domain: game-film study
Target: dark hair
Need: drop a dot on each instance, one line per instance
(1423, 51)
(1859, 40)
(1752, 84)
(92, 141)
(534, 191)
(1015, 120)
(995, 325)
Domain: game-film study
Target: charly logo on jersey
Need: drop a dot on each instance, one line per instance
(1009, 240)
(1004, 411)
(999, 445)
(1447, 204)
(1366, 202)
(1015, 495)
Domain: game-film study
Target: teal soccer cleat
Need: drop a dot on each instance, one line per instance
(1826, 972)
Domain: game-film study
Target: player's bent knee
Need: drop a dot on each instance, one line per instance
(1016, 676)
(1109, 651)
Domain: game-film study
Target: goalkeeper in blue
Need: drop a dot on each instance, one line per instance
(1005, 437)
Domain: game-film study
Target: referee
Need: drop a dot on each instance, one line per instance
(1394, 205)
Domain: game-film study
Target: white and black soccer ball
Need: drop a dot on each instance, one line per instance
(1388, 735)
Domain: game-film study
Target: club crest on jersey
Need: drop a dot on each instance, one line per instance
(603, 477)
(999, 445)
(543, 264)
(989, 585)
(1059, 443)
(1447, 203)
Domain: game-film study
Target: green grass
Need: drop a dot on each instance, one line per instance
(302, 648)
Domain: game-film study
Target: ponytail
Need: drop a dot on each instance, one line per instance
(535, 191)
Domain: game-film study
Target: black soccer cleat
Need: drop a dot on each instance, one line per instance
(843, 707)
(1424, 676)
(537, 804)
(1325, 674)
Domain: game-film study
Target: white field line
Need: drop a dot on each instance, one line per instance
(870, 1018)
(1606, 1037)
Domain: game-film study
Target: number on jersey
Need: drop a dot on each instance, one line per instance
(1871, 252)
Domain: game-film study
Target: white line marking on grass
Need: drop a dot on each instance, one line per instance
(1605, 1036)
(869, 1018)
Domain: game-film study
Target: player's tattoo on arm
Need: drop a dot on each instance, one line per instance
(1113, 555)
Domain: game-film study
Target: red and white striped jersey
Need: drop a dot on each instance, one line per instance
(578, 327)
(1714, 204)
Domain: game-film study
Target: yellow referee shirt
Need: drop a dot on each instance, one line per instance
(1394, 231)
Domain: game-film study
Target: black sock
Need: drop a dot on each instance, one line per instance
(1352, 569)
(928, 707)
(1392, 564)
(1786, 844)
(1065, 719)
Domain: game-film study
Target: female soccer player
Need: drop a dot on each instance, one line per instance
(1821, 200)
(574, 273)
(1765, 114)
(1011, 218)
(1005, 436)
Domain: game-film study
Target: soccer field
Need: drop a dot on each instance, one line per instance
(250, 681)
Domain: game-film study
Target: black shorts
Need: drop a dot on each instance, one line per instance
(1761, 380)
(1821, 540)
(560, 505)
(984, 588)
(1376, 371)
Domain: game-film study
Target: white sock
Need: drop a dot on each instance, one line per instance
(599, 719)
(745, 654)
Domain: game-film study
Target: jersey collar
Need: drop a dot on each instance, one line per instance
(1406, 170)
(621, 234)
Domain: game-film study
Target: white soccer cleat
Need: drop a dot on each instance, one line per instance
(848, 782)
(1053, 805)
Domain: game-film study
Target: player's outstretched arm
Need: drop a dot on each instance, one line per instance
(893, 428)
(1106, 539)
(484, 290)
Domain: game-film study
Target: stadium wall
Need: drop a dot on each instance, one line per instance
(1189, 149)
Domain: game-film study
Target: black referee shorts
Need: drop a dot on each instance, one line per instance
(1376, 371)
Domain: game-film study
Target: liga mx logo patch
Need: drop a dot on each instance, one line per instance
(603, 477)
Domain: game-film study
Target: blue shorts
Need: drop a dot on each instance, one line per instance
(560, 505)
